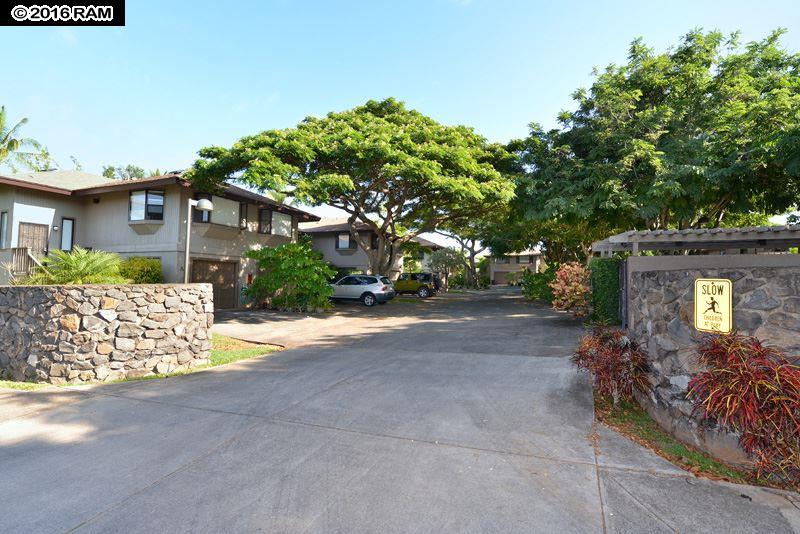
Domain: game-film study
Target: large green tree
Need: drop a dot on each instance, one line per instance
(679, 139)
(392, 168)
(18, 152)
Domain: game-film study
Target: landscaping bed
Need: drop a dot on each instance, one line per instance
(630, 420)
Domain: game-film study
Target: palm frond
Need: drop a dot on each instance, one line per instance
(80, 266)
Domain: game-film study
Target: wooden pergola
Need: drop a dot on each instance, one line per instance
(751, 240)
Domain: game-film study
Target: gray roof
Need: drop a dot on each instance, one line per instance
(427, 243)
(79, 183)
(702, 239)
(69, 180)
(330, 225)
(341, 225)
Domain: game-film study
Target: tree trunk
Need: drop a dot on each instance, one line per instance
(471, 277)
(385, 260)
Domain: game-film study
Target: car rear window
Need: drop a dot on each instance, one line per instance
(386, 281)
(367, 280)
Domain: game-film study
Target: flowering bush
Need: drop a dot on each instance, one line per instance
(571, 288)
(752, 389)
(615, 361)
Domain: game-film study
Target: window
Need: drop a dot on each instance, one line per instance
(344, 241)
(201, 216)
(281, 224)
(146, 206)
(524, 259)
(502, 259)
(243, 215)
(3, 228)
(349, 281)
(264, 221)
(67, 233)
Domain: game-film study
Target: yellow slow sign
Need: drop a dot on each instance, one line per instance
(713, 305)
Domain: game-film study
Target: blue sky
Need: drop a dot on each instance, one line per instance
(182, 75)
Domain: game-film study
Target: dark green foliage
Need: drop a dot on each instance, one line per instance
(294, 277)
(679, 139)
(141, 270)
(604, 298)
(536, 286)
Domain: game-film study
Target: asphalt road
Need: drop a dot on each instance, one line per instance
(457, 414)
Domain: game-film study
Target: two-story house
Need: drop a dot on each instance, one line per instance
(501, 268)
(333, 239)
(42, 211)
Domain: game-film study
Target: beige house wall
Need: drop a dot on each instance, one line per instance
(102, 223)
(325, 242)
(499, 271)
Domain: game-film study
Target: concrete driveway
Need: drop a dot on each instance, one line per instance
(457, 414)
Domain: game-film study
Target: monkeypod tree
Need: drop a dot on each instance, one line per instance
(680, 139)
(390, 168)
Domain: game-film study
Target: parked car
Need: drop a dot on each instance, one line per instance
(367, 288)
(422, 284)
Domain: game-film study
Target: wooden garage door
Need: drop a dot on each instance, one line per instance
(221, 275)
(500, 278)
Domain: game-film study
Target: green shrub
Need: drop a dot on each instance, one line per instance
(140, 270)
(457, 280)
(604, 298)
(536, 286)
(80, 266)
(294, 277)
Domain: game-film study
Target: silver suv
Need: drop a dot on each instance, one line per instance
(367, 288)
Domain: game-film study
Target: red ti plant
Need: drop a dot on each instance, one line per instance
(753, 389)
(571, 289)
(615, 361)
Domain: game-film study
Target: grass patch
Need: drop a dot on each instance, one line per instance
(632, 421)
(228, 350)
(224, 350)
(24, 386)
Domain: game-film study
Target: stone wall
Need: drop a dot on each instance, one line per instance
(76, 334)
(766, 303)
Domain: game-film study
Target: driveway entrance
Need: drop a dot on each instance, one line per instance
(459, 413)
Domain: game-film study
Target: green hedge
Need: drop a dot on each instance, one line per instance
(140, 270)
(605, 290)
(536, 286)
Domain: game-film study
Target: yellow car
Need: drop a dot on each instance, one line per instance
(422, 284)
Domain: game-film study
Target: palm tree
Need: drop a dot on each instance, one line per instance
(80, 266)
(20, 151)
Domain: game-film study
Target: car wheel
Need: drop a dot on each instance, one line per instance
(368, 299)
(424, 292)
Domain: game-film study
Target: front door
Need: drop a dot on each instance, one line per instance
(34, 238)
(222, 277)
